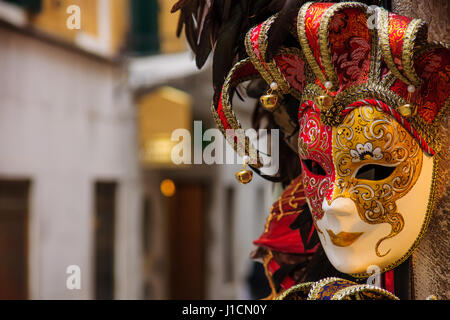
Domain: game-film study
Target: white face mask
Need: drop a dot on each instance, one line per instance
(368, 185)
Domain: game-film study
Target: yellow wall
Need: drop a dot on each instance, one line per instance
(53, 18)
(160, 112)
(168, 23)
(119, 23)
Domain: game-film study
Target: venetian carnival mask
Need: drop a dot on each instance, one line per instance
(367, 183)
(370, 101)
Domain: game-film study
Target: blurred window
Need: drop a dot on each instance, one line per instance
(147, 223)
(30, 5)
(261, 211)
(144, 38)
(105, 207)
(229, 234)
(14, 239)
(186, 235)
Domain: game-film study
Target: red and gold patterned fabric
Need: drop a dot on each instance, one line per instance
(282, 241)
(279, 235)
(363, 54)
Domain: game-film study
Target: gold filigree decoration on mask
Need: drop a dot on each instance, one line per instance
(302, 148)
(315, 144)
(369, 136)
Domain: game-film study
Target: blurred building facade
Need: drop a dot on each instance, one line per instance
(79, 110)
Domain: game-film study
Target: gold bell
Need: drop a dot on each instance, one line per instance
(244, 176)
(324, 102)
(270, 100)
(408, 109)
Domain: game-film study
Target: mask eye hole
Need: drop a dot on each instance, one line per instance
(374, 172)
(314, 167)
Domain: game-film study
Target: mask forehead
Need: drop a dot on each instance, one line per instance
(368, 135)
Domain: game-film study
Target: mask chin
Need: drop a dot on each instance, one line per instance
(346, 239)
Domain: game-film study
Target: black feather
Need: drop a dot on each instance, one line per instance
(304, 224)
(220, 26)
(281, 26)
(204, 44)
(313, 241)
(225, 50)
(285, 271)
(178, 5)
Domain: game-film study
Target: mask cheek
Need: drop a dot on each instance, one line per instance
(331, 189)
(315, 144)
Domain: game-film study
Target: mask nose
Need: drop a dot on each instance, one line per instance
(339, 207)
(339, 190)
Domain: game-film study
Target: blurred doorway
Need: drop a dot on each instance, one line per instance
(186, 223)
(105, 207)
(14, 239)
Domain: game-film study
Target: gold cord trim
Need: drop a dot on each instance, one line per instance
(355, 291)
(299, 288)
(386, 46)
(414, 28)
(248, 148)
(254, 58)
(305, 44)
(274, 71)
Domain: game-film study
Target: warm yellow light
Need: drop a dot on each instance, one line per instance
(168, 188)
(161, 111)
